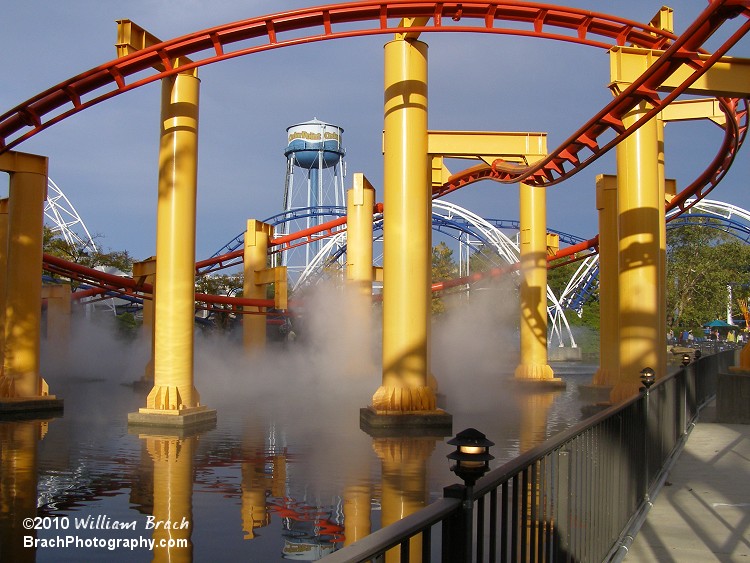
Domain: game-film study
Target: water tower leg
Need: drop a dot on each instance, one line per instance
(533, 366)
(609, 301)
(407, 386)
(174, 401)
(21, 385)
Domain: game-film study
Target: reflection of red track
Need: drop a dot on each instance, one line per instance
(597, 136)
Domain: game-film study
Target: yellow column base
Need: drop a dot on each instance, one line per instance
(535, 371)
(404, 399)
(604, 377)
(168, 398)
(8, 388)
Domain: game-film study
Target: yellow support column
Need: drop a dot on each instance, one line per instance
(145, 272)
(21, 384)
(360, 202)
(609, 301)
(533, 365)
(3, 272)
(255, 260)
(174, 400)
(407, 387)
(640, 204)
(58, 297)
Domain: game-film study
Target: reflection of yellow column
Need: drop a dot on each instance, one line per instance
(357, 504)
(23, 297)
(360, 201)
(173, 497)
(533, 265)
(255, 259)
(3, 271)
(255, 513)
(407, 234)
(640, 204)
(534, 409)
(404, 488)
(609, 304)
(145, 272)
(18, 484)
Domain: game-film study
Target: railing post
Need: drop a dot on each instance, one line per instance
(458, 529)
(648, 377)
(562, 512)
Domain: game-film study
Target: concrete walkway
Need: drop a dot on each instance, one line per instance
(702, 513)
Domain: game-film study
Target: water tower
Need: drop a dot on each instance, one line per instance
(313, 148)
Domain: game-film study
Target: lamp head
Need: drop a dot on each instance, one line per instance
(648, 377)
(472, 455)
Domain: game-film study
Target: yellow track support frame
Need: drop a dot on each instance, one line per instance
(173, 400)
(257, 277)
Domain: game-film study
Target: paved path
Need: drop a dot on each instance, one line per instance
(702, 514)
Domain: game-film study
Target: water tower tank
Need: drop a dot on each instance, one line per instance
(314, 144)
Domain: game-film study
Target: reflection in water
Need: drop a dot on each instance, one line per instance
(269, 483)
(18, 482)
(173, 496)
(534, 409)
(404, 487)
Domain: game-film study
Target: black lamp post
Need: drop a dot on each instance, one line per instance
(685, 359)
(472, 455)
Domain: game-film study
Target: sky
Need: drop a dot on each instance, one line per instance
(105, 158)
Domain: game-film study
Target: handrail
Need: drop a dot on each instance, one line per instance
(540, 504)
(390, 536)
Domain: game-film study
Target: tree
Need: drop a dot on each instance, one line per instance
(702, 261)
(443, 268)
(54, 244)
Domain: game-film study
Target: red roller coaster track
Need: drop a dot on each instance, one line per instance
(597, 136)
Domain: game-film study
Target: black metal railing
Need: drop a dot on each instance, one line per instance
(573, 498)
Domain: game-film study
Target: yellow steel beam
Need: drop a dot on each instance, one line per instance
(488, 145)
(132, 38)
(482, 145)
(730, 76)
(686, 110)
(277, 276)
(664, 19)
(411, 22)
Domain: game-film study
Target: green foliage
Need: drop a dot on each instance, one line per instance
(443, 268)
(484, 260)
(702, 261)
(127, 326)
(56, 245)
